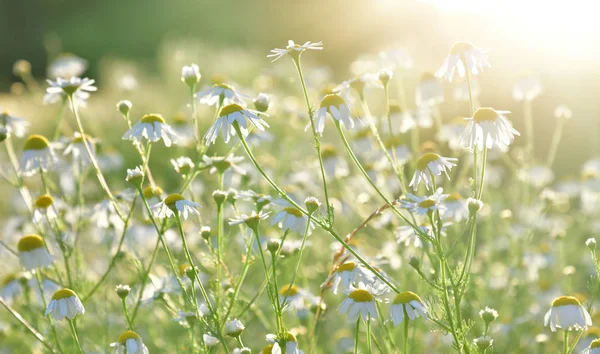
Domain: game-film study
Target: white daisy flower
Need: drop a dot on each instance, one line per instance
(359, 83)
(251, 220)
(335, 165)
(74, 86)
(44, 208)
(221, 164)
(13, 124)
(261, 200)
(289, 342)
(294, 297)
(129, 343)
(190, 74)
(104, 215)
(230, 114)
(186, 318)
(402, 120)
(406, 304)
(408, 236)
(76, 148)
(488, 128)
(183, 165)
(262, 102)
(593, 348)
(483, 342)
(175, 203)
(67, 65)
(431, 164)
(38, 155)
(463, 56)
(64, 303)
(426, 204)
(33, 253)
(234, 328)
(461, 91)
(294, 50)
(360, 302)
(349, 274)
(527, 89)
(568, 314)
(337, 107)
(290, 218)
(153, 128)
(429, 90)
(220, 94)
(209, 340)
(456, 207)
(135, 176)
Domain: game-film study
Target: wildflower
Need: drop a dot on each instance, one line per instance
(456, 207)
(290, 218)
(261, 200)
(135, 176)
(567, 313)
(488, 128)
(359, 83)
(38, 155)
(483, 343)
(21, 68)
(44, 208)
(230, 115)
(360, 302)
(312, 204)
(209, 340)
(347, 274)
(33, 253)
(75, 87)
(221, 164)
(219, 94)
(175, 203)
(153, 128)
(183, 165)
(122, 291)
(337, 107)
(536, 176)
(463, 56)
(527, 89)
(591, 243)
(13, 124)
(251, 220)
(294, 50)
(190, 75)
(124, 107)
(474, 205)
(593, 348)
(288, 341)
(262, 102)
(431, 164)
(294, 297)
(400, 118)
(129, 342)
(407, 304)
(234, 328)
(488, 315)
(64, 303)
(429, 91)
(67, 65)
(425, 205)
(385, 75)
(78, 151)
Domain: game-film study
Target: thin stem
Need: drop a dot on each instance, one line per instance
(405, 333)
(356, 336)
(267, 276)
(555, 142)
(129, 323)
(75, 337)
(528, 117)
(308, 223)
(61, 117)
(369, 335)
(566, 342)
(220, 231)
(38, 278)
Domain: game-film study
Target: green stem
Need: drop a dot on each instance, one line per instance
(369, 335)
(38, 277)
(357, 335)
(220, 231)
(566, 343)
(555, 142)
(405, 332)
(308, 223)
(75, 337)
(275, 301)
(61, 116)
(129, 323)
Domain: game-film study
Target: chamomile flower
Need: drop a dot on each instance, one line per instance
(261, 200)
(359, 83)
(175, 203)
(44, 208)
(223, 163)
(190, 74)
(456, 207)
(527, 89)
(360, 302)
(568, 314)
(463, 56)
(230, 115)
(431, 164)
(251, 220)
(135, 176)
(294, 297)
(402, 120)
(209, 340)
(13, 124)
(593, 348)
(406, 304)
(337, 107)
(488, 128)
(153, 128)
(129, 342)
(183, 165)
(74, 86)
(67, 65)
(348, 274)
(294, 50)
(33, 253)
(220, 94)
(234, 328)
(289, 341)
(426, 204)
(38, 155)
(290, 218)
(64, 303)
(429, 91)
(76, 148)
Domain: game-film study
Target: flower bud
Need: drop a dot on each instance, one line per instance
(205, 232)
(385, 75)
(190, 75)
(135, 176)
(123, 291)
(488, 315)
(312, 204)
(124, 107)
(21, 67)
(219, 196)
(591, 244)
(262, 102)
(414, 262)
(273, 245)
(483, 343)
(474, 205)
(234, 328)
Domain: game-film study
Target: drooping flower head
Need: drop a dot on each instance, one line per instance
(488, 128)
(406, 304)
(431, 164)
(220, 94)
(64, 303)
(75, 87)
(38, 155)
(153, 128)
(463, 56)
(339, 110)
(230, 115)
(175, 203)
(33, 253)
(568, 314)
(360, 302)
(130, 342)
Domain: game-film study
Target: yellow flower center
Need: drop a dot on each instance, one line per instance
(328, 151)
(217, 79)
(346, 267)
(361, 295)
(182, 268)
(30, 242)
(395, 108)
(293, 211)
(153, 118)
(63, 294)
(485, 114)
(565, 300)
(427, 203)
(453, 197)
(288, 290)
(173, 198)
(425, 159)
(128, 335)
(44, 201)
(151, 191)
(428, 146)
(595, 343)
(290, 337)
(332, 100)
(8, 279)
(79, 139)
(231, 108)
(268, 349)
(36, 142)
(406, 297)
(224, 86)
(460, 47)
(428, 77)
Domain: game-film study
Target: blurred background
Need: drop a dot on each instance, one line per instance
(557, 42)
